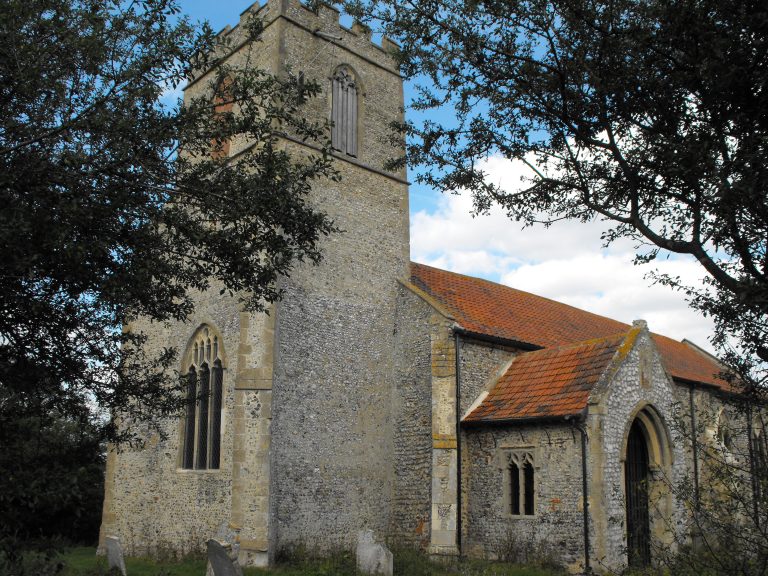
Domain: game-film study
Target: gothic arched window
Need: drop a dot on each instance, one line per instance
(520, 481)
(344, 112)
(203, 361)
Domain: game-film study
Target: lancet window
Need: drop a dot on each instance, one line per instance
(344, 112)
(204, 393)
(521, 482)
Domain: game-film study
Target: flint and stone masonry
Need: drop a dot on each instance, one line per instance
(307, 424)
(348, 407)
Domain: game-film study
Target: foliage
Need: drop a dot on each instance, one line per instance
(52, 484)
(28, 562)
(645, 113)
(724, 531)
(119, 204)
(53, 479)
(530, 550)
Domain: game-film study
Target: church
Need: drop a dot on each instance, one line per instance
(441, 411)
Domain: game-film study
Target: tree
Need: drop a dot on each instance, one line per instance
(646, 113)
(723, 532)
(119, 205)
(52, 485)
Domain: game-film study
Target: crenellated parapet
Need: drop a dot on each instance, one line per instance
(324, 22)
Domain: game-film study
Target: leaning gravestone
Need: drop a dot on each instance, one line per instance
(372, 558)
(114, 554)
(220, 562)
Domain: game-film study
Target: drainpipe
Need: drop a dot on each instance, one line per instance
(695, 450)
(752, 471)
(458, 439)
(585, 495)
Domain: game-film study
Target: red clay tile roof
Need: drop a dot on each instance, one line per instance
(491, 309)
(549, 383)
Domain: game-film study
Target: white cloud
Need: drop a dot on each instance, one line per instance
(172, 93)
(565, 262)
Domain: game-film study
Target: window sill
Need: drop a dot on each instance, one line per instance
(198, 471)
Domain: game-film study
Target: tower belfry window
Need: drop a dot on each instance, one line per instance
(344, 112)
(201, 448)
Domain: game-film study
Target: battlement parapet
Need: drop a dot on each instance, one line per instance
(324, 22)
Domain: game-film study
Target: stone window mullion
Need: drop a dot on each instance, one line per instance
(216, 400)
(344, 112)
(203, 408)
(188, 456)
(520, 481)
(201, 427)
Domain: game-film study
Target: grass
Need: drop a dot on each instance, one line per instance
(84, 562)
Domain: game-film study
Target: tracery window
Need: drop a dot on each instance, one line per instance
(201, 449)
(344, 111)
(725, 431)
(520, 482)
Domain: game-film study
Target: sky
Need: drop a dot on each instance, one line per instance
(565, 262)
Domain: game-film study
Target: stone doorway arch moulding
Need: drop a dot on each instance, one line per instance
(660, 459)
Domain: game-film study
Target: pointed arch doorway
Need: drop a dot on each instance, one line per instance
(636, 489)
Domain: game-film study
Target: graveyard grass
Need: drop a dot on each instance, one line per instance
(84, 562)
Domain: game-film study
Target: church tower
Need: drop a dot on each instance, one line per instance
(295, 444)
(331, 459)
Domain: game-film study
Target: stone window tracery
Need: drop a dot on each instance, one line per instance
(201, 448)
(344, 111)
(725, 432)
(520, 485)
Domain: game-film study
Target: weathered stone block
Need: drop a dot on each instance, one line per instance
(115, 554)
(372, 558)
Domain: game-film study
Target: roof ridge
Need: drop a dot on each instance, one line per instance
(506, 286)
(619, 335)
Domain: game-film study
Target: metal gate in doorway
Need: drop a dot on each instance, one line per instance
(636, 479)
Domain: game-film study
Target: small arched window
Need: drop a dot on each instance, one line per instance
(201, 448)
(344, 111)
(725, 431)
(521, 485)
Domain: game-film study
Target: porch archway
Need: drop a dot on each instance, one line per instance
(647, 462)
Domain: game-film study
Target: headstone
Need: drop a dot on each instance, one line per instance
(372, 558)
(114, 554)
(220, 562)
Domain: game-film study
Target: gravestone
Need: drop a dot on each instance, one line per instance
(219, 561)
(115, 554)
(372, 558)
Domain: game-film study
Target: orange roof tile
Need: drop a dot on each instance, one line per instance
(490, 309)
(549, 383)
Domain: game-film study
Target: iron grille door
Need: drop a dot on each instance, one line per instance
(636, 485)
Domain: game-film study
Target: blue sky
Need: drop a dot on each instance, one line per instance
(219, 14)
(565, 262)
